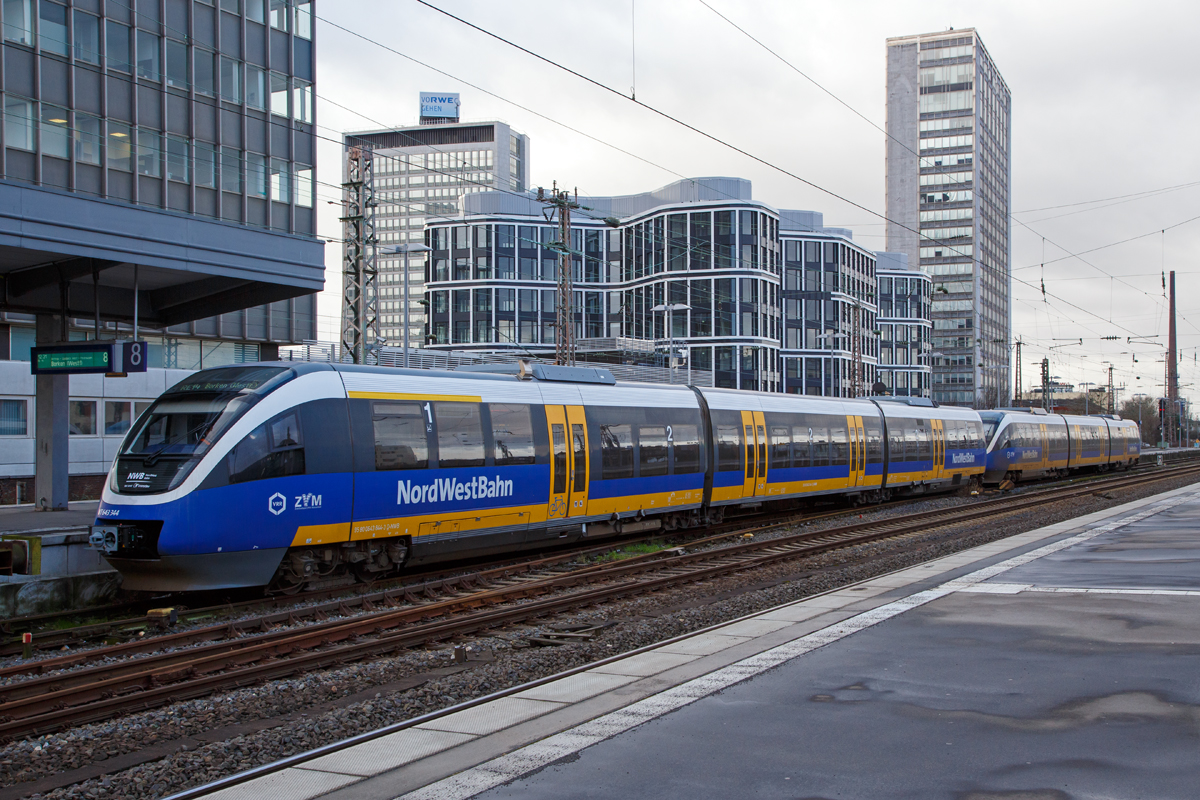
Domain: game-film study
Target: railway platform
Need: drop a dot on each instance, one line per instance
(1058, 663)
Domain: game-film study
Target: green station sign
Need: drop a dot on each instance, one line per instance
(61, 362)
(88, 357)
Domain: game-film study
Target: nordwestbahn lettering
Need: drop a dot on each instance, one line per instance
(442, 490)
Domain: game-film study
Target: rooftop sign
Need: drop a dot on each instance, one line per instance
(439, 105)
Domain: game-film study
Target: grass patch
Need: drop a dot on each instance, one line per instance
(631, 550)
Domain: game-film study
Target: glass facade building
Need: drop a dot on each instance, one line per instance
(905, 355)
(420, 174)
(182, 134)
(948, 185)
(697, 268)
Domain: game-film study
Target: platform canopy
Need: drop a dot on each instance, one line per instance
(59, 251)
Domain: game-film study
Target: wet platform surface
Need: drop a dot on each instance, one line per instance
(1061, 663)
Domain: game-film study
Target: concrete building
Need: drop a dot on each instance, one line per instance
(904, 327)
(696, 268)
(157, 160)
(421, 173)
(948, 183)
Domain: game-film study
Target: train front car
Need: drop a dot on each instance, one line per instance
(213, 482)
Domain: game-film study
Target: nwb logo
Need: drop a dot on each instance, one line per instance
(445, 489)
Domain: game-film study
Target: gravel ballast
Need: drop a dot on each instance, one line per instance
(258, 725)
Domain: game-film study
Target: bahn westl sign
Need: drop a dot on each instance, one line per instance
(83, 358)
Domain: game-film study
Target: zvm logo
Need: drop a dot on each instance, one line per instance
(277, 504)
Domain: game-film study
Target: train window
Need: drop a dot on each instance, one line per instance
(820, 442)
(749, 451)
(460, 434)
(729, 448)
(954, 433)
(558, 443)
(274, 450)
(762, 451)
(285, 432)
(924, 441)
(839, 450)
(802, 442)
(400, 436)
(616, 449)
(874, 442)
(781, 447)
(652, 450)
(512, 434)
(579, 440)
(686, 445)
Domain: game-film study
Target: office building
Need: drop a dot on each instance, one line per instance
(420, 175)
(157, 163)
(904, 328)
(691, 273)
(948, 184)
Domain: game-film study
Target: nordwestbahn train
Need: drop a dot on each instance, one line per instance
(1031, 443)
(305, 474)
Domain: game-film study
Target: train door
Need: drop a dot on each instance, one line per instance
(1045, 445)
(858, 451)
(754, 428)
(937, 432)
(577, 435)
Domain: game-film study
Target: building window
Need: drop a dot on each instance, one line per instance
(55, 137)
(177, 159)
(232, 6)
(116, 417)
(116, 46)
(205, 164)
(256, 87)
(14, 418)
(87, 37)
(231, 169)
(231, 80)
(256, 175)
(304, 187)
(149, 147)
(18, 21)
(303, 18)
(256, 10)
(18, 122)
(147, 55)
(177, 64)
(279, 15)
(52, 32)
(120, 146)
(279, 94)
(281, 191)
(204, 71)
(302, 107)
(87, 139)
(82, 417)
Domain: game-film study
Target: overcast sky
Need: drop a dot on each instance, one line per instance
(1104, 97)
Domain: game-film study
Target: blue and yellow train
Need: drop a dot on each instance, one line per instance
(1032, 443)
(318, 474)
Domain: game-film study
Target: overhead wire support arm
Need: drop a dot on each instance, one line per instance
(360, 290)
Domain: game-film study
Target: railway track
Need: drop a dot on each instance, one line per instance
(131, 619)
(230, 659)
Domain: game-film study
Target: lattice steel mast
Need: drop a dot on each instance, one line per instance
(360, 284)
(559, 202)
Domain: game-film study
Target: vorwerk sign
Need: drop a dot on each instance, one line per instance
(444, 105)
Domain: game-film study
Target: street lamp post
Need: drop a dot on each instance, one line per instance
(670, 308)
(406, 249)
(1086, 385)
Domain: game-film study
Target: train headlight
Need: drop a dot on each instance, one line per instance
(112, 480)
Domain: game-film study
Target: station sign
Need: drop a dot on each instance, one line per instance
(442, 105)
(85, 358)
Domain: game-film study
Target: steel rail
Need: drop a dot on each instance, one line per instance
(56, 701)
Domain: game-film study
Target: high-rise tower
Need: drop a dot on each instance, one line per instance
(948, 183)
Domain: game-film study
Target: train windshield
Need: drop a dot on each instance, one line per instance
(991, 422)
(190, 418)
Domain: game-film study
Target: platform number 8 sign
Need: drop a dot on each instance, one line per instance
(133, 356)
